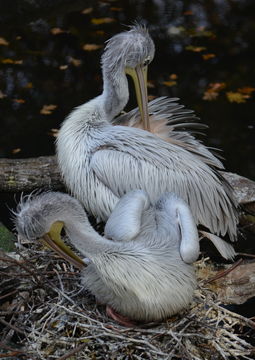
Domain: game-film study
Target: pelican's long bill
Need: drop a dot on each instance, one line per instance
(53, 240)
(139, 76)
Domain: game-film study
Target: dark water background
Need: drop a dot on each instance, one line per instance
(225, 27)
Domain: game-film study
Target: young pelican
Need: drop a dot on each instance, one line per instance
(141, 268)
(100, 162)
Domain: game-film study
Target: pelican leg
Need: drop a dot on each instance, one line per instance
(122, 320)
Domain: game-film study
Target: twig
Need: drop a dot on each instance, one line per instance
(10, 354)
(243, 319)
(13, 327)
(72, 352)
(245, 254)
(220, 274)
(21, 264)
(9, 348)
(8, 294)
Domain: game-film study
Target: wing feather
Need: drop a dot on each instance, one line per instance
(139, 160)
(175, 124)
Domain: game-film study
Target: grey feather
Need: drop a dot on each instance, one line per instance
(143, 277)
(172, 121)
(100, 162)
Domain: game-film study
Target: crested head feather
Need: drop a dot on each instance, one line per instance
(129, 48)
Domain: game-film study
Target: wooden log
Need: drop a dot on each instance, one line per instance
(28, 174)
(244, 188)
(239, 285)
(233, 284)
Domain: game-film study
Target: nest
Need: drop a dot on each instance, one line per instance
(46, 314)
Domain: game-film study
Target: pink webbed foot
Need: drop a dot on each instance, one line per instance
(122, 320)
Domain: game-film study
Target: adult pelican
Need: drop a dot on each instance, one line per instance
(142, 267)
(101, 162)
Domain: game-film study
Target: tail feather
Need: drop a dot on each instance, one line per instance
(225, 249)
(172, 122)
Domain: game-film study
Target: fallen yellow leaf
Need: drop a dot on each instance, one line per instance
(195, 48)
(53, 132)
(99, 21)
(28, 85)
(87, 10)
(57, 31)
(99, 32)
(210, 95)
(208, 56)
(113, 8)
(63, 67)
(10, 61)
(169, 83)
(173, 77)
(176, 30)
(91, 47)
(246, 90)
(218, 86)
(213, 91)
(19, 101)
(3, 41)
(47, 109)
(237, 97)
(16, 151)
(201, 32)
(150, 84)
(75, 62)
(2, 95)
(188, 12)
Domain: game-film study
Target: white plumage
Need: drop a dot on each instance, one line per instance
(142, 267)
(101, 162)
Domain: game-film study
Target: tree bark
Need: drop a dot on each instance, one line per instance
(29, 174)
(233, 287)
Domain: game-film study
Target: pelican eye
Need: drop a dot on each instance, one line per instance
(147, 61)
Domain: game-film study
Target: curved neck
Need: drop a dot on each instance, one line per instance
(115, 93)
(83, 236)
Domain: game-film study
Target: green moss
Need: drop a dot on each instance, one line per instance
(11, 181)
(7, 239)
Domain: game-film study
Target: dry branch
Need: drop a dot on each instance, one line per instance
(233, 283)
(238, 285)
(29, 174)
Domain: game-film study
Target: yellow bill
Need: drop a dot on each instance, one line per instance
(53, 240)
(139, 76)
